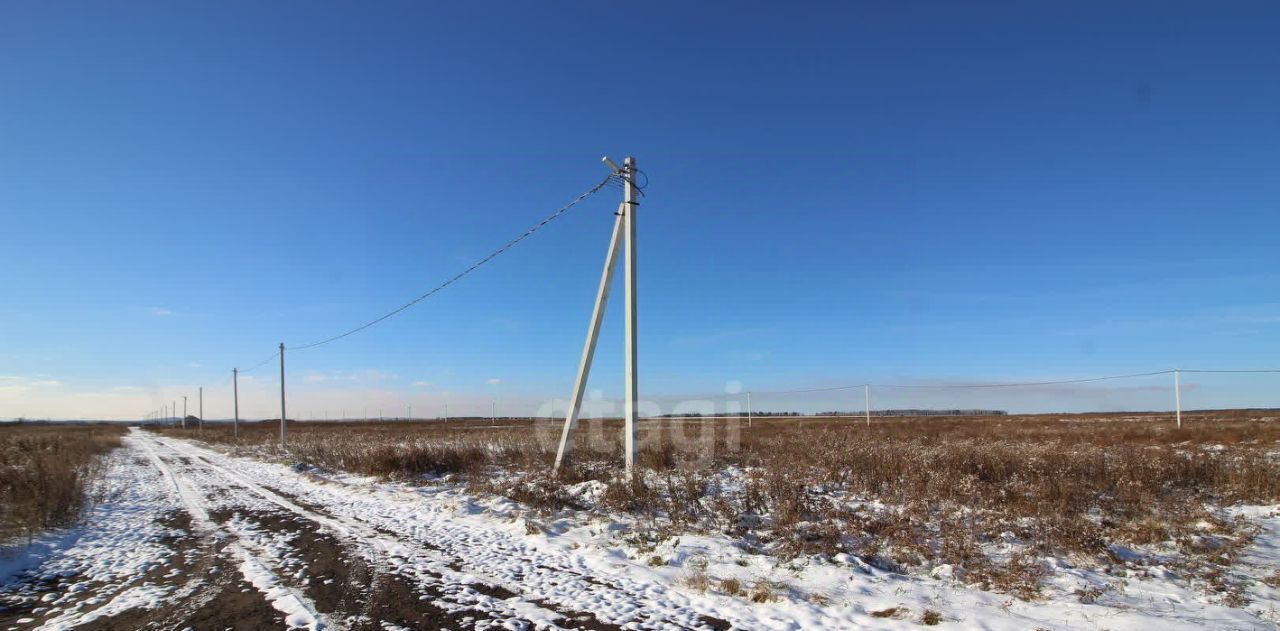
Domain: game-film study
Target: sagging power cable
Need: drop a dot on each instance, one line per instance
(455, 278)
(261, 363)
(510, 244)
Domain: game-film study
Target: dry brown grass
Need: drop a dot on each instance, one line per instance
(906, 494)
(46, 472)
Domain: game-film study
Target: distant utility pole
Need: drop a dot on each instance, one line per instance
(866, 397)
(1177, 395)
(493, 413)
(446, 410)
(283, 432)
(749, 413)
(201, 407)
(175, 413)
(235, 397)
(184, 411)
(624, 224)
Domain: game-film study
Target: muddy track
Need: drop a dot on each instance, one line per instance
(220, 599)
(439, 570)
(355, 574)
(235, 544)
(453, 558)
(334, 576)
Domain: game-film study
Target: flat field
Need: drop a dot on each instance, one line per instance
(1120, 521)
(999, 503)
(46, 474)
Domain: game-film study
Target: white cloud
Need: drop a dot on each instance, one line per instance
(422, 384)
(159, 311)
(493, 382)
(362, 377)
(12, 384)
(376, 376)
(128, 389)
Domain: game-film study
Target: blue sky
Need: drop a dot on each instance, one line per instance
(839, 193)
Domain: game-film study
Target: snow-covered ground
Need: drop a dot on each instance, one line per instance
(316, 548)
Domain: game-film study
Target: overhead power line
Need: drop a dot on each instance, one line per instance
(1259, 370)
(455, 278)
(1015, 384)
(1008, 384)
(962, 386)
(261, 363)
(510, 244)
(803, 390)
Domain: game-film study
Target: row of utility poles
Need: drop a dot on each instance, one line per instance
(622, 245)
(168, 412)
(284, 431)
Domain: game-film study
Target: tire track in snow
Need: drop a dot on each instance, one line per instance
(454, 592)
(256, 568)
(465, 555)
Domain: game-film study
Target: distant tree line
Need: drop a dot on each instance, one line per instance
(902, 412)
(915, 412)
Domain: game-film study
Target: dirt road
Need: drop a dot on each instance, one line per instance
(187, 537)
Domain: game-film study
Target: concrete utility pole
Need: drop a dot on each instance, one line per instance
(493, 413)
(201, 426)
(632, 197)
(235, 396)
(283, 441)
(1177, 395)
(866, 397)
(174, 411)
(749, 412)
(184, 411)
(623, 225)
